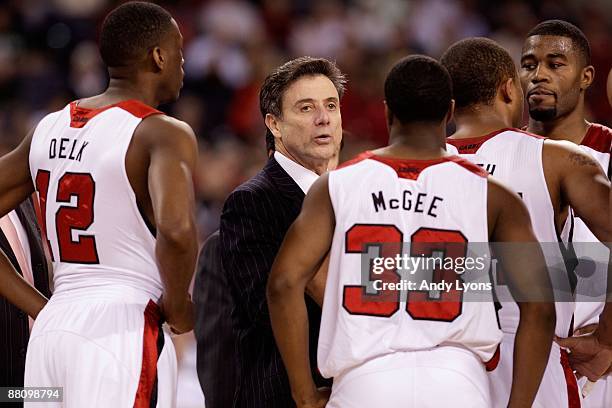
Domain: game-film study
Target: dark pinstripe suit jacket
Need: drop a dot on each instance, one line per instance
(14, 328)
(254, 221)
(214, 330)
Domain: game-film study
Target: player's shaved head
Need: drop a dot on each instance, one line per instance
(418, 89)
(477, 66)
(131, 30)
(560, 28)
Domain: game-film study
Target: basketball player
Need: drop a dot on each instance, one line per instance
(555, 73)
(548, 175)
(113, 176)
(425, 352)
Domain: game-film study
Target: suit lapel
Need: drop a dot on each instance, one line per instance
(283, 181)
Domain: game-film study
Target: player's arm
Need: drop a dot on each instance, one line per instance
(316, 287)
(522, 260)
(585, 187)
(15, 186)
(304, 249)
(16, 182)
(173, 153)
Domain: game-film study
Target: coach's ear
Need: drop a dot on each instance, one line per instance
(273, 125)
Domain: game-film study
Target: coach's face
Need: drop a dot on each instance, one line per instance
(553, 76)
(310, 128)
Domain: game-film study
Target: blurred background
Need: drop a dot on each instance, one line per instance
(49, 56)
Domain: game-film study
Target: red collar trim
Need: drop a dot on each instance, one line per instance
(471, 145)
(79, 116)
(411, 168)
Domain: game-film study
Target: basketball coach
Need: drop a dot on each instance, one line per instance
(300, 103)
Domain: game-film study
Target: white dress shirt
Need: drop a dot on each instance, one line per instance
(300, 174)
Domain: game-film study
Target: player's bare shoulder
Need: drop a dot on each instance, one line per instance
(163, 130)
(561, 153)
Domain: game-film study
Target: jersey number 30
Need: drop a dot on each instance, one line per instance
(424, 242)
(69, 218)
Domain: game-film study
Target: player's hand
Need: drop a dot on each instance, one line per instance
(588, 329)
(318, 400)
(587, 355)
(178, 315)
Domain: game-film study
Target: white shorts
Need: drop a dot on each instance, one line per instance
(106, 350)
(440, 377)
(558, 389)
(600, 395)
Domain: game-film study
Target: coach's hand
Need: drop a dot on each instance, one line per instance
(319, 399)
(588, 356)
(178, 315)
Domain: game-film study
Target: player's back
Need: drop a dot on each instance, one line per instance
(514, 157)
(97, 234)
(435, 207)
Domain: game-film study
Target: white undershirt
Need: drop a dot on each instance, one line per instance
(300, 174)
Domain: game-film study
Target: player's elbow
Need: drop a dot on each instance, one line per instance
(541, 314)
(280, 286)
(179, 234)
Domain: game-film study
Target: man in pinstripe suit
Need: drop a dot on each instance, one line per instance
(19, 239)
(300, 102)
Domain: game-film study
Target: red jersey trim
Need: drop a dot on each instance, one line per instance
(412, 168)
(471, 145)
(599, 138)
(79, 116)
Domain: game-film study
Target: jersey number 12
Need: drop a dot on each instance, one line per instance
(70, 218)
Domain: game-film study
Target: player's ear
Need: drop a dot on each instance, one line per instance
(388, 116)
(158, 58)
(451, 112)
(273, 125)
(507, 90)
(587, 76)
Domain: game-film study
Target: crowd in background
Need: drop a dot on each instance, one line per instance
(49, 56)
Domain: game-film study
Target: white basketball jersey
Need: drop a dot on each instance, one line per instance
(592, 278)
(420, 208)
(514, 157)
(96, 233)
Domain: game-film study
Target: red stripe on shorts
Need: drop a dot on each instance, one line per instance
(148, 372)
(494, 361)
(573, 398)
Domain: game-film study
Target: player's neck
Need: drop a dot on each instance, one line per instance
(572, 127)
(123, 89)
(125, 84)
(415, 141)
(478, 122)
